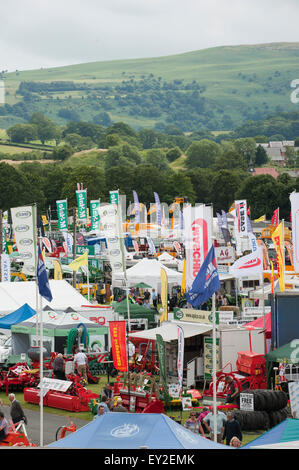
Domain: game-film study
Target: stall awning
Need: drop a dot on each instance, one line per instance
(21, 314)
(169, 331)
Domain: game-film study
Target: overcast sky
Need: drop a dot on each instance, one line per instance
(46, 33)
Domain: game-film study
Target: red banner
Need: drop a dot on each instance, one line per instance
(119, 345)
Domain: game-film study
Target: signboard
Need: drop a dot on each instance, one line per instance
(24, 226)
(194, 316)
(225, 254)
(55, 384)
(208, 357)
(294, 398)
(246, 401)
(62, 214)
(186, 403)
(114, 197)
(81, 249)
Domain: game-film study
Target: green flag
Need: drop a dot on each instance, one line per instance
(62, 214)
(94, 214)
(82, 204)
(162, 364)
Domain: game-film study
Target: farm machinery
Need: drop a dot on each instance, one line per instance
(17, 436)
(250, 374)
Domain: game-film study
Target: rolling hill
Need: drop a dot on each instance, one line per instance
(216, 89)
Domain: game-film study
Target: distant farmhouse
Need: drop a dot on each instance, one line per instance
(276, 151)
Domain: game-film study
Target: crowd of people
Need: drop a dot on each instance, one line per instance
(228, 429)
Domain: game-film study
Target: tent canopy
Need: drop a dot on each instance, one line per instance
(149, 271)
(132, 431)
(57, 324)
(13, 295)
(136, 310)
(285, 352)
(143, 285)
(169, 331)
(286, 431)
(21, 314)
(259, 323)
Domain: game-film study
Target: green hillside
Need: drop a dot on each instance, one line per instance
(216, 89)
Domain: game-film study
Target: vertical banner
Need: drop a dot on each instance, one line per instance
(208, 357)
(57, 271)
(94, 214)
(294, 198)
(136, 208)
(119, 345)
(112, 228)
(275, 217)
(164, 295)
(114, 197)
(151, 246)
(4, 241)
(47, 244)
(81, 196)
(24, 226)
(278, 240)
(68, 242)
(198, 223)
(162, 364)
(62, 214)
(5, 268)
(181, 345)
(158, 209)
(241, 215)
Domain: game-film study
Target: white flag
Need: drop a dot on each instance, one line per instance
(249, 265)
(294, 198)
(180, 358)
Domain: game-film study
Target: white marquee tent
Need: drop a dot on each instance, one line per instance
(15, 294)
(149, 271)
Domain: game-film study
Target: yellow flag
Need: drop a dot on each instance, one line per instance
(260, 219)
(78, 262)
(164, 295)
(272, 277)
(277, 238)
(57, 271)
(183, 285)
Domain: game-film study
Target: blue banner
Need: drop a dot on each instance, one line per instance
(136, 207)
(158, 209)
(42, 278)
(206, 282)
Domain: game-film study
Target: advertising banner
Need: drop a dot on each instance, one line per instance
(136, 208)
(112, 228)
(181, 342)
(62, 214)
(5, 268)
(94, 214)
(278, 240)
(294, 198)
(208, 357)
(24, 226)
(114, 197)
(162, 363)
(241, 215)
(164, 295)
(158, 209)
(225, 254)
(119, 345)
(198, 223)
(81, 196)
(193, 315)
(57, 271)
(249, 265)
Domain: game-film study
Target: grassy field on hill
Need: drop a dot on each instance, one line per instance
(216, 88)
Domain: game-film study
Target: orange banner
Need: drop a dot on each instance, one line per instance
(119, 345)
(278, 240)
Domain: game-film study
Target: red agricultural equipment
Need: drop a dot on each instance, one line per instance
(250, 374)
(17, 436)
(18, 377)
(145, 357)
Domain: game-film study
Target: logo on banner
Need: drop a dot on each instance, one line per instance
(126, 430)
(199, 232)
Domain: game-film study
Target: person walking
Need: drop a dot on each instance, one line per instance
(80, 360)
(154, 298)
(232, 429)
(16, 411)
(208, 421)
(194, 425)
(58, 367)
(3, 426)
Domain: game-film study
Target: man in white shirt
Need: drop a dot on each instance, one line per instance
(80, 360)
